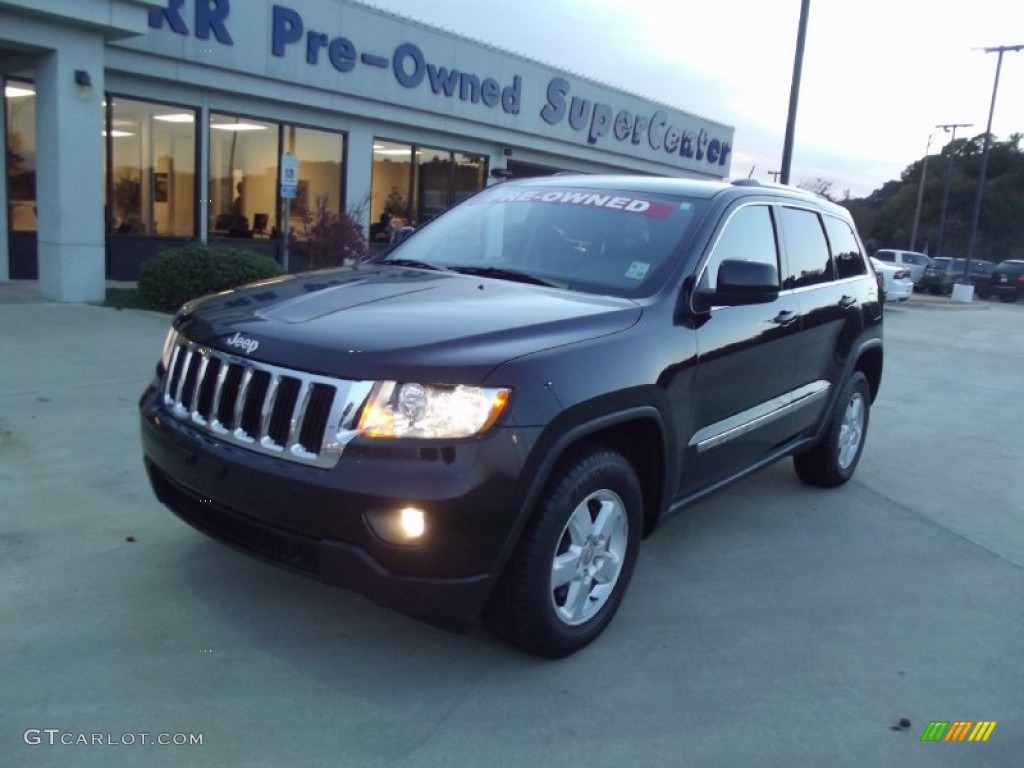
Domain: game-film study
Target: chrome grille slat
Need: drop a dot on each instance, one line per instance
(268, 408)
(292, 415)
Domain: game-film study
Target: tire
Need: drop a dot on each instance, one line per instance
(1007, 298)
(833, 460)
(585, 533)
(934, 291)
(984, 293)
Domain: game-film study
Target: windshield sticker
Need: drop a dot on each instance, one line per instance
(637, 270)
(652, 208)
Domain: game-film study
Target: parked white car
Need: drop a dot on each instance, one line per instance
(912, 261)
(898, 285)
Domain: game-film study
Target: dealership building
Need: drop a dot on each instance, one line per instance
(134, 125)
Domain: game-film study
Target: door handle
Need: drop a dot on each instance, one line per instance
(785, 317)
(847, 301)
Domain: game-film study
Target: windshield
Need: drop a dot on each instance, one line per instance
(593, 240)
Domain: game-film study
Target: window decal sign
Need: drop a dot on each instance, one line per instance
(591, 198)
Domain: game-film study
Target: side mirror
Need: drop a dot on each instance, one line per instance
(745, 282)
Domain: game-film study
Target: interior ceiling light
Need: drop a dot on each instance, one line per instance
(118, 134)
(238, 127)
(14, 91)
(179, 117)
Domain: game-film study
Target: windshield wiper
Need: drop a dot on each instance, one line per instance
(414, 263)
(502, 273)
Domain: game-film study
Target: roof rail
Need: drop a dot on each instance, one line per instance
(746, 183)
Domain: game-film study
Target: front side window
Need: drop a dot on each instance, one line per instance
(749, 235)
(601, 241)
(20, 106)
(149, 168)
(808, 261)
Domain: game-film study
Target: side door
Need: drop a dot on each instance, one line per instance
(746, 359)
(829, 277)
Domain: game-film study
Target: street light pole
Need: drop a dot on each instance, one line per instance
(976, 215)
(920, 194)
(945, 184)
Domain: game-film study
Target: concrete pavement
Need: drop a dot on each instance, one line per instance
(772, 625)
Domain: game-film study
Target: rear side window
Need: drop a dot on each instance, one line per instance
(886, 256)
(749, 235)
(845, 250)
(808, 261)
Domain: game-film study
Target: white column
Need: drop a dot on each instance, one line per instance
(69, 172)
(359, 172)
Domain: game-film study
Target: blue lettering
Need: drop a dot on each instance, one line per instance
(601, 122)
(469, 88)
(623, 125)
(512, 96)
(210, 15)
(714, 149)
(554, 110)
(657, 129)
(342, 53)
(408, 51)
(639, 128)
(490, 93)
(686, 144)
(442, 79)
(172, 15)
(314, 42)
(286, 28)
(702, 141)
(672, 139)
(579, 111)
(726, 149)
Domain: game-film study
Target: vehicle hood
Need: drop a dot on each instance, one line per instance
(388, 322)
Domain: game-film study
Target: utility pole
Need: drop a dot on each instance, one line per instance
(920, 194)
(1000, 49)
(794, 91)
(945, 185)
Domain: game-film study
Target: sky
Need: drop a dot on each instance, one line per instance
(878, 75)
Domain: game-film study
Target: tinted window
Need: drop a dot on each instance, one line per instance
(845, 250)
(807, 258)
(885, 256)
(749, 235)
(913, 258)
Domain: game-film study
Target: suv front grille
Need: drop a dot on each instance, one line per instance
(276, 411)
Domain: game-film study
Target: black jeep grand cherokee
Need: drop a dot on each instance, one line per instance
(489, 417)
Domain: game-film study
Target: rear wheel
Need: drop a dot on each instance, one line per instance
(832, 461)
(575, 558)
(934, 290)
(1008, 298)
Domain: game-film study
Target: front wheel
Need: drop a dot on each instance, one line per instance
(832, 461)
(575, 558)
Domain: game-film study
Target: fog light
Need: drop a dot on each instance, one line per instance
(399, 526)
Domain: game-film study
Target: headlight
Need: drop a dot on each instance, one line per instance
(165, 356)
(396, 409)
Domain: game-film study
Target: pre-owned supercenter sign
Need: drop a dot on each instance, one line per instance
(596, 122)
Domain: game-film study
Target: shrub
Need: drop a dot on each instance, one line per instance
(181, 274)
(328, 239)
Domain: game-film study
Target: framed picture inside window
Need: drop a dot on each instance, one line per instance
(160, 187)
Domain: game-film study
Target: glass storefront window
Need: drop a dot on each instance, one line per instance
(244, 158)
(415, 192)
(20, 151)
(392, 182)
(320, 155)
(243, 174)
(152, 177)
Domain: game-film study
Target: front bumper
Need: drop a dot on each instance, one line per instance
(314, 520)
